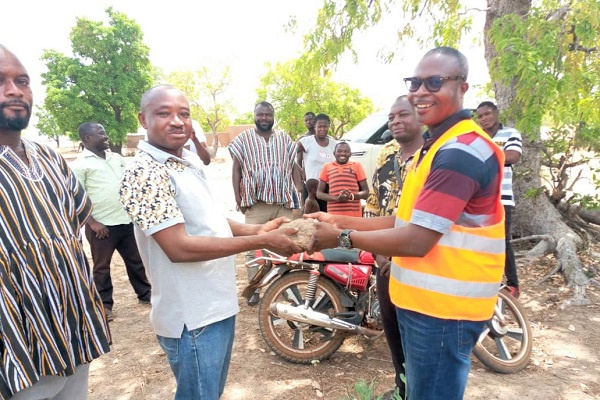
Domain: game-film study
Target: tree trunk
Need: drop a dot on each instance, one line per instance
(534, 215)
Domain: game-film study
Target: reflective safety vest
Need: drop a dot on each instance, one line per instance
(460, 277)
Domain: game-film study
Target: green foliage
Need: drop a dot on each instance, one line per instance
(552, 59)
(104, 79)
(294, 89)
(335, 27)
(243, 119)
(339, 20)
(206, 91)
(533, 193)
(47, 125)
(365, 391)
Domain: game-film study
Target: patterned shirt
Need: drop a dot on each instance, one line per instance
(159, 191)
(340, 177)
(463, 183)
(508, 139)
(51, 316)
(266, 168)
(385, 194)
(101, 179)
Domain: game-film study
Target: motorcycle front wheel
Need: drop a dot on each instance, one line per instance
(298, 342)
(506, 342)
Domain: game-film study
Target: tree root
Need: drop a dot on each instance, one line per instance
(548, 275)
(566, 250)
(579, 298)
(565, 247)
(546, 245)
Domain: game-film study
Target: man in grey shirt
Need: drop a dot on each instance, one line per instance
(188, 247)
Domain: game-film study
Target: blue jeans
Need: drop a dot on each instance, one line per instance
(200, 359)
(437, 353)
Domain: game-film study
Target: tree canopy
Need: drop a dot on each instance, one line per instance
(104, 79)
(294, 89)
(207, 92)
(47, 125)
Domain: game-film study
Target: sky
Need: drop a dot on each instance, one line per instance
(244, 35)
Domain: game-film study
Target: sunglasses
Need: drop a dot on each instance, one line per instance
(432, 83)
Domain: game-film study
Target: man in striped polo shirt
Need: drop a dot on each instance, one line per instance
(447, 238)
(509, 139)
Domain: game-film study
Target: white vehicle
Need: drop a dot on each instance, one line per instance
(366, 139)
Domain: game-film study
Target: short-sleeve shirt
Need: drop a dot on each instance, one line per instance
(267, 167)
(160, 190)
(385, 193)
(340, 177)
(508, 139)
(101, 179)
(315, 155)
(463, 182)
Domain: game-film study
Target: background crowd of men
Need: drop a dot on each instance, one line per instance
(435, 218)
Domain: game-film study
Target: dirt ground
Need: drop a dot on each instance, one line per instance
(565, 362)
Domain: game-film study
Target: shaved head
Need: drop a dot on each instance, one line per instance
(151, 93)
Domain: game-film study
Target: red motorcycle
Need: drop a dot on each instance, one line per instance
(314, 301)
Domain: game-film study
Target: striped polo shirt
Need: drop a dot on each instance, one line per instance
(340, 177)
(462, 185)
(508, 139)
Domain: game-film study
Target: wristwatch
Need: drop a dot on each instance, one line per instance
(344, 239)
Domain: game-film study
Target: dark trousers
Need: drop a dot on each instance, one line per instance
(122, 239)
(390, 328)
(510, 265)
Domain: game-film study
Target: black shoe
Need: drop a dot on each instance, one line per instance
(254, 299)
(144, 301)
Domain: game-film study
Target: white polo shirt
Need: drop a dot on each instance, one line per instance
(158, 191)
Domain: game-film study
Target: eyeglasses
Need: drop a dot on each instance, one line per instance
(432, 83)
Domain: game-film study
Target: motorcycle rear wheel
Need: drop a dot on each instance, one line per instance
(297, 342)
(506, 348)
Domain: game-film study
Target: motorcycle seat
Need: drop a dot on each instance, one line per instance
(341, 255)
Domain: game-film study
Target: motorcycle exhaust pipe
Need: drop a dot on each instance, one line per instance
(312, 317)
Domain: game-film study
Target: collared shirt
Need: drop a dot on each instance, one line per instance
(508, 139)
(160, 190)
(50, 312)
(343, 177)
(266, 168)
(462, 184)
(101, 179)
(385, 193)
